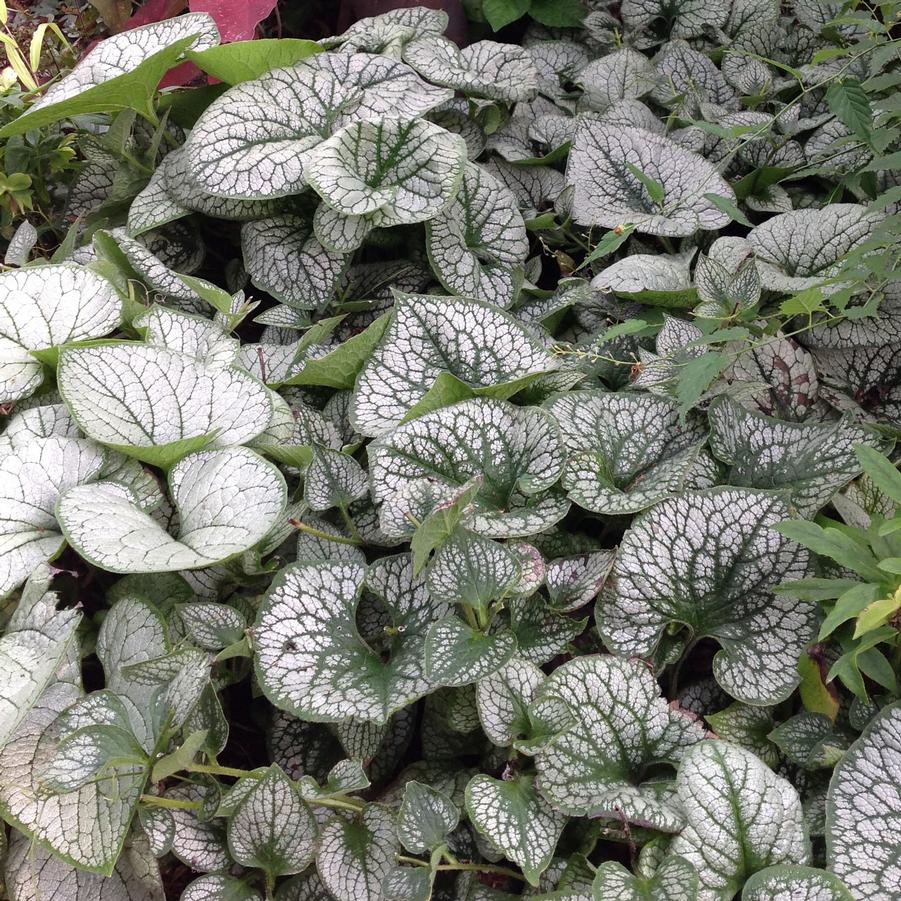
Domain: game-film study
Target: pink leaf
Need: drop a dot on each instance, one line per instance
(236, 19)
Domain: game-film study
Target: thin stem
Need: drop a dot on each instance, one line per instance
(351, 525)
(467, 867)
(171, 803)
(318, 533)
(216, 770)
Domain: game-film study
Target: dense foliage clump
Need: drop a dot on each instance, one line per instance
(457, 473)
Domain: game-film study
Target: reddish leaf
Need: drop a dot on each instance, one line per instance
(236, 19)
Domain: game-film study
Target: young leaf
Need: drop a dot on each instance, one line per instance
(425, 818)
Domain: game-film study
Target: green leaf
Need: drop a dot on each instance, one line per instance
(610, 242)
(340, 367)
(440, 523)
(119, 73)
(846, 98)
(515, 818)
(831, 542)
(877, 613)
(178, 759)
(425, 818)
(696, 376)
(652, 186)
(557, 13)
(247, 60)
(882, 471)
(502, 12)
(725, 205)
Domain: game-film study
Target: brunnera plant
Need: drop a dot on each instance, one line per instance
(461, 473)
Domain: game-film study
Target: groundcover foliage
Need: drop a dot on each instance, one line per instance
(463, 474)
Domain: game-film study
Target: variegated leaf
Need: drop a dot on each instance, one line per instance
(478, 244)
(787, 882)
(709, 561)
(477, 343)
(516, 450)
(158, 404)
(674, 880)
(811, 460)
(742, 818)
(608, 193)
(628, 451)
(311, 659)
(425, 818)
(515, 818)
(862, 813)
(227, 501)
(621, 724)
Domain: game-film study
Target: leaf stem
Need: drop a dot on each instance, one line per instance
(171, 803)
(467, 867)
(318, 533)
(216, 770)
(341, 802)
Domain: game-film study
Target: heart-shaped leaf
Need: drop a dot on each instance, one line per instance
(425, 818)
(674, 880)
(311, 659)
(33, 476)
(602, 169)
(379, 174)
(621, 725)
(482, 346)
(812, 460)
(36, 640)
(483, 69)
(45, 306)
(356, 855)
(284, 258)
(515, 818)
(458, 654)
(158, 404)
(785, 882)
(628, 451)
(741, 816)
(516, 451)
(478, 243)
(798, 250)
(227, 501)
(272, 828)
(862, 838)
(709, 561)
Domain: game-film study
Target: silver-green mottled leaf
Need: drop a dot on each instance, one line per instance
(620, 725)
(812, 460)
(623, 75)
(272, 828)
(800, 249)
(628, 451)
(515, 449)
(483, 69)
(477, 244)
(33, 477)
(742, 817)
(45, 306)
(457, 654)
(607, 193)
(333, 479)
(311, 659)
(862, 814)
(196, 336)
(428, 335)
(219, 888)
(674, 880)
(227, 500)
(515, 818)
(379, 174)
(156, 404)
(34, 644)
(284, 258)
(709, 560)
(503, 700)
(425, 818)
(687, 18)
(355, 855)
(787, 882)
